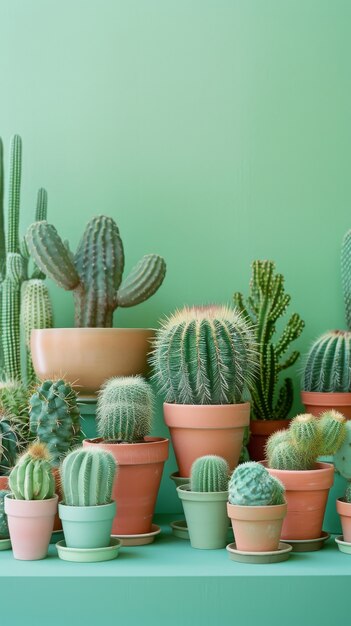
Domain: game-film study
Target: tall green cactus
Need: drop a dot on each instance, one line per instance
(36, 312)
(87, 476)
(32, 477)
(267, 303)
(94, 273)
(209, 473)
(346, 275)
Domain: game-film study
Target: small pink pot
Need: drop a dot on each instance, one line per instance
(257, 528)
(317, 402)
(344, 510)
(30, 524)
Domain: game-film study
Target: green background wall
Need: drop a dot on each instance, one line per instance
(213, 131)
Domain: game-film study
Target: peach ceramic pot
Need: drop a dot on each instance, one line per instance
(318, 402)
(197, 430)
(89, 356)
(344, 510)
(257, 528)
(140, 467)
(30, 524)
(260, 431)
(306, 496)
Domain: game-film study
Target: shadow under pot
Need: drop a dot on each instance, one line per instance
(135, 489)
(317, 402)
(206, 517)
(87, 527)
(198, 430)
(30, 525)
(257, 528)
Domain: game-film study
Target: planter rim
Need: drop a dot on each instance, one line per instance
(56, 330)
(184, 493)
(98, 512)
(242, 512)
(343, 508)
(206, 416)
(30, 508)
(322, 477)
(152, 450)
(326, 397)
(264, 427)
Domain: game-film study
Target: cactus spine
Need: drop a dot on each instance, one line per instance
(209, 473)
(94, 273)
(328, 363)
(14, 399)
(204, 355)
(342, 457)
(124, 409)
(251, 485)
(87, 477)
(32, 478)
(8, 445)
(36, 312)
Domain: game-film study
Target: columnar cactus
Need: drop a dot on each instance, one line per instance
(328, 363)
(251, 485)
(342, 457)
(36, 312)
(204, 355)
(346, 275)
(209, 473)
(124, 409)
(32, 477)
(8, 445)
(87, 477)
(55, 417)
(94, 273)
(4, 529)
(266, 304)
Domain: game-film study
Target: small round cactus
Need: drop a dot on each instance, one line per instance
(87, 476)
(333, 431)
(252, 485)
(305, 433)
(209, 473)
(4, 530)
(32, 478)
(342, 458)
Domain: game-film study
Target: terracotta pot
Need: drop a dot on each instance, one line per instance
(306, 496)
(89, 356)
(197, 430)
(206, 517)
(318, 402)
(344, 510)
(4, 482)
(260, 431)
(30, 524)
(257, 528)
(58, 491)
(137, 482)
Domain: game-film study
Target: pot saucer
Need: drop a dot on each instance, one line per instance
(308, 545)
(344, 546)
(139, 540)
(180, 529)
(88, 555)
(5, 544)
(276, 556)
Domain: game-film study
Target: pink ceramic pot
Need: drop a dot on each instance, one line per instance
(30, 524)
(197, 430)
(344, 510)
(257, 528)
(317, 402)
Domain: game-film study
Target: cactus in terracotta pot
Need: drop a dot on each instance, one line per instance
(251, 485)
(209, 473)
(32, 478)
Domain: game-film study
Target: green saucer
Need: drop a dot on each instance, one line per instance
(5, 544)
(276, 556)
(89, 555)
(343, 546)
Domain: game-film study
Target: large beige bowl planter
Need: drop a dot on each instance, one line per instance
(89, 356)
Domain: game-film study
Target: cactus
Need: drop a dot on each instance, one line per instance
(14, 399)
(124, 409)
(266, 304)
(4, 529)
(342, 457)
(55, 417)
(8, 445)
(251, 485)
(204, 355)
(32, 477)
(87, 476)
(347, 497)
(209, 473)
(36, 312)
(305, 434)
(332, 425)
(328, 363)
(94, 273)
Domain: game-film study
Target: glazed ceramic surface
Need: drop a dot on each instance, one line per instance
(257, 528)
(31, 523)
(87, 527)
(92, 555)
(206, 517)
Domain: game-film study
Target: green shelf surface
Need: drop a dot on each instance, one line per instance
(170, 583)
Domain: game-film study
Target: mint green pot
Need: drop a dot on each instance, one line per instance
(206, 517)
(87, 526)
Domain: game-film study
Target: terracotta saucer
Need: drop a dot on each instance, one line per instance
(139, 540)
(276, 556)
(308, 545)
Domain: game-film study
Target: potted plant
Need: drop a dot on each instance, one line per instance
(204, 361)
(256, 507)
(124, 420)
(292, 458)
(204, 503)
(271, 397)
(32, 504)
(342, 462)
(92, 352)
(87, 509)
(326, 382)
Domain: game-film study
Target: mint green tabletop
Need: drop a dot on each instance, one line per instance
(170, 583)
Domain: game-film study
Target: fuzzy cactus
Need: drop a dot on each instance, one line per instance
(14, 401)
(36, 312)
(124, 409)
(8, 445)
(87, 476)
(251, 485)
(4, 529)
(342, 457)
(32, 477)
(209, 473)
(94, 273)
(347, 497)
(328, 363)
(204, 355)
(55, 417)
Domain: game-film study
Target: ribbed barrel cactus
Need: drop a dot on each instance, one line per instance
(209, 473)
(266, 304)
(36, 312)
(94, 273)
(4, 529)
(8, 445)
(251, 485)
(87, 477)
(124, 409)
(32, 477)
(204, 355)
(55, 417)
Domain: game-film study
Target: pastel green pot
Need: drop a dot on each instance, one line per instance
(87, 526)
(206, 517)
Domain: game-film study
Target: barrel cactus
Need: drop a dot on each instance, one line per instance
(87, 476)
(328, 363)
(251, 485)
(347, 497)
(55, 417)
(209, 473)
(32, 477)
(342, 457)
(94, 273)
(4, 529)
(8, 445)
(124, 409)
(204, 355)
